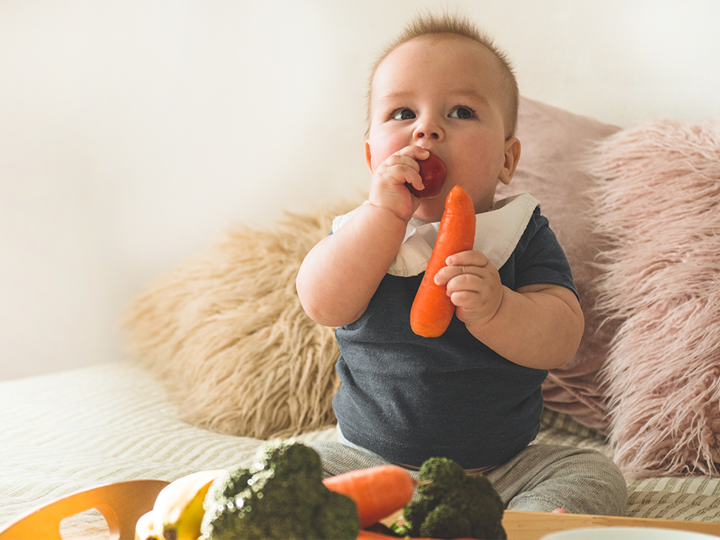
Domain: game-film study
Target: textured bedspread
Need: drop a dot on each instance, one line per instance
(72, 430)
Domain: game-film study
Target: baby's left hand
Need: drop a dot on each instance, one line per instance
(473, 285)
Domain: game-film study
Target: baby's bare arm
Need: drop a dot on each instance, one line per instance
(537, 326)
(341, 273)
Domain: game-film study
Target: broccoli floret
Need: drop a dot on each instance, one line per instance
(337, 518)
(454, 504)
(281, 495)
(415, 512)
(287, 458)
(446, 476)
(445, 521)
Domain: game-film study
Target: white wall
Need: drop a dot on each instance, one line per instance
(133, 131)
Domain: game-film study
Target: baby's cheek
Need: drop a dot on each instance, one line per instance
(382, 147)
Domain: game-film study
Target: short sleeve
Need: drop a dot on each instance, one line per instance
(539, 258)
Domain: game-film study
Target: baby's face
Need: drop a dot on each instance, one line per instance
(443, 94)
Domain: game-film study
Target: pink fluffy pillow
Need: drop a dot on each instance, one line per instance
(658, 196)
(556, 146)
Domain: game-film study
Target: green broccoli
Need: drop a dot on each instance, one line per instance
(281, 495)
(453, 505)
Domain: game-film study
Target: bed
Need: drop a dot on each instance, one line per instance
(110, 423)
(223, 357)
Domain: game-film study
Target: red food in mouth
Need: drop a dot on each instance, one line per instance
(433, 173)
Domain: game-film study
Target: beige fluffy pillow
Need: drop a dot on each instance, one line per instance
(658, 195)
(225, 331)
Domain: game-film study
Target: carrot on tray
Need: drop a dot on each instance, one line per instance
(432, 309)
(372, 535)
(377, 491)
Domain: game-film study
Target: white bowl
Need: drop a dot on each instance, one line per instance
(627, 533)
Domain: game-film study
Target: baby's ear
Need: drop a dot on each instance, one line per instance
(368, 156)
(512, 156)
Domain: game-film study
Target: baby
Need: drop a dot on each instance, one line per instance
(474, 393)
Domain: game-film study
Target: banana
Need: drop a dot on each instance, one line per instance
(178, 509)
(144, 529)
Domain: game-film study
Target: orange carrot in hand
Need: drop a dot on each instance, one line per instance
(377, 491)
(432, 309)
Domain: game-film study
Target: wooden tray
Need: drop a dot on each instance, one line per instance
(534, 525)
(122, 504)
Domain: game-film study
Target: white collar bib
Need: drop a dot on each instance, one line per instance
(497, 232)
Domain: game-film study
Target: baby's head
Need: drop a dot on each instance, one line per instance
(444, 87)
(448, 25)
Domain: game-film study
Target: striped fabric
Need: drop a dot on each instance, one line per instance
(77, 429)
(68, 431)
(689, 499)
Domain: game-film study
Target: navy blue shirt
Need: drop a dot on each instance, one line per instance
(409, 398)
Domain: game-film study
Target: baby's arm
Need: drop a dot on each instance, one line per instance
(537, 326)
(341, 273)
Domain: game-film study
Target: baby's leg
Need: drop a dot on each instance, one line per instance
(543, 478)
(338, 458)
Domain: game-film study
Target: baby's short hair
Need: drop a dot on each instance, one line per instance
(429, 24)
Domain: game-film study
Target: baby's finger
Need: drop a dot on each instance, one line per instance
(407, 158)
(469, 282)
(448, 273)
(414, 152)
(400, 160)
(397, 170)
(468, 258)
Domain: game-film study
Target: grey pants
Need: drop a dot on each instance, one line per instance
(539, 479)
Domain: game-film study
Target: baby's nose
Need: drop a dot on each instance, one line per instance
(429, 129)
(419, 134)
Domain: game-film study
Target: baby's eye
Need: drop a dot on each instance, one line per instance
(403, 114)
(462, 112)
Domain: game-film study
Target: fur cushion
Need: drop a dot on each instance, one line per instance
(658, 196)
(227, 334)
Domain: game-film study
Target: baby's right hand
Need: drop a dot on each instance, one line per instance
(387, 186)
